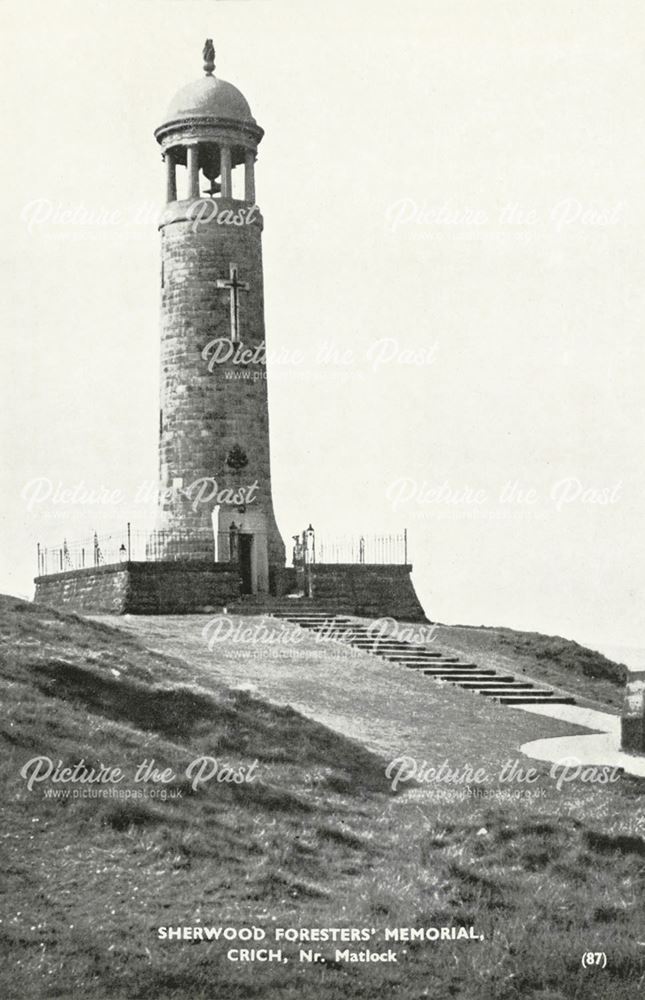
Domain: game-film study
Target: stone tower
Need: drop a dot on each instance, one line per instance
(214, 466)
(215, 524)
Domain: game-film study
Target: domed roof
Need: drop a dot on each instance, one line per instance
(209, 97)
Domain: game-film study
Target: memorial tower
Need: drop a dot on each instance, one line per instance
(214, 465)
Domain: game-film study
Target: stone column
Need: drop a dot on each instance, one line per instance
(633, 720)
(249, 176)
(171, 176)
(225, 161)
(193, 171)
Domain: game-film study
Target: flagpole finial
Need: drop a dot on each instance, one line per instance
(208, 54)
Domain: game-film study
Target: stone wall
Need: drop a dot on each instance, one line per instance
(207, 408)
(189, 587)
(153, 588)
(633, 720)
(283, 581)
(94, 590)
(371, 591)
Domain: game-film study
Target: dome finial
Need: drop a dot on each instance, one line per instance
(208, 54)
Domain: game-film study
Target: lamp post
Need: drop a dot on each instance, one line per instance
(310, 544)
(309, 547)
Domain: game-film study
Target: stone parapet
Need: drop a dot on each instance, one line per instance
(154, 588)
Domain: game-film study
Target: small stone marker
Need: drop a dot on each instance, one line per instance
(633, 721)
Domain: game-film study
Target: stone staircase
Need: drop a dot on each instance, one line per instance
(504, 688)
(339, 600)
(285, 606)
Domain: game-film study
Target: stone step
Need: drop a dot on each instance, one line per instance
(495, 683)
(501, 680)
(413, 654)
(421, 660)
(374, 640)
(366, 640)
(431, 665)
(308, 622)
(299, 608)
(307, 613)
(319, 619)
(402, 648)
(514, 689)
(456, 676)
(447, 666)
(504, 688)
(363, 632)
(366, 633)
(313, 619)
(414, 664)
(317, 624)
(536, 699)
(407, 652)
(312, 622)
(382, 640)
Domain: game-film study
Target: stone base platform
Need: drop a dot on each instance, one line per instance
(142, 588)
(191, 587)
(367, 590)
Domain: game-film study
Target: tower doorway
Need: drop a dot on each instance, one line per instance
(246, 562)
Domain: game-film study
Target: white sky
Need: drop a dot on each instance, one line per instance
(533, 328)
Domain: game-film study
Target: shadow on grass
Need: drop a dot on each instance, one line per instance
(171, 712)
(235, 723)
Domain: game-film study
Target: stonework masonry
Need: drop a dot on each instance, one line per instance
(373, 591)
(142, 588)
(193, 587)
(208, 410)
(213, 421)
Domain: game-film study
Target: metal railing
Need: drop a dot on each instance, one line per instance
(361, 549)
(132, 545)
(136, 545)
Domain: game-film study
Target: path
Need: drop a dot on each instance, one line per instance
(594, 748)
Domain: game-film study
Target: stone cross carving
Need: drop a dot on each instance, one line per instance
(235, 287)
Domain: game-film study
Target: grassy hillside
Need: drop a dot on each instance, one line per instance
(316, 840)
